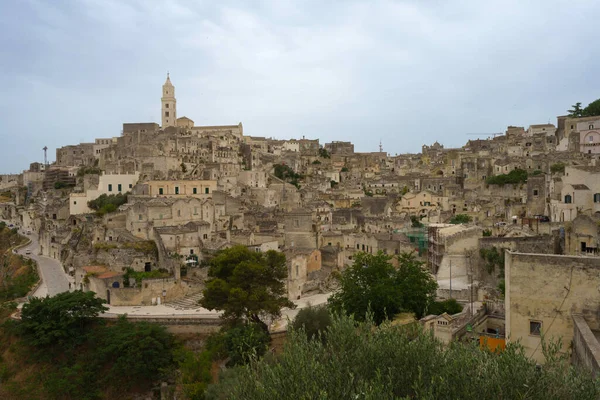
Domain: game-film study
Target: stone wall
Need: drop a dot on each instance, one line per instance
(586, 349)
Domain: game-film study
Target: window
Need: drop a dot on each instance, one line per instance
(167, 105)
(195, 190)
(535, 328)
(176, 189)
(160, 190)
(568, 199)
(205, 236)
(591, 126)
(74, 203)
(119, 187)
(297, 273)
(535, 192)
(139, 217)
(206, 190)
(596, 197)
(130, 186)
(166, 113)
(110, 187)
(590, 138)
(179, 213)
(195, 210)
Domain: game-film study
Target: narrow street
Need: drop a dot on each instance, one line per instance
(54, 280)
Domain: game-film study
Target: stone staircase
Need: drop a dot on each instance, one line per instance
(186, 303)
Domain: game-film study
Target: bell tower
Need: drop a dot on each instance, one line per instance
(169, 104)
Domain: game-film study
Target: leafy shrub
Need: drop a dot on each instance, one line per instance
(105, 204)
(460, 219)
(493, 258)
(487, 232)
(313, 320)
(88, 171)
(513, 177)
(557, 168)
(450, 306)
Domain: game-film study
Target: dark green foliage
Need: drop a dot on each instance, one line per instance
(494, 258)
(74, 356)
(324, 153)
(333, 184)
(537, 172)
(450, 306)
(285, 173)
(487, 232)
(592, 109)
(576, 110)
(57, 320)
(63, 185)
(246, 284)
(557, 168)
(313, 320)
(460, 219)
(107, 203)
(344, 169)
(416, 221)
(364, 361)
(137, 276)
(513, 177)
(88, 170)
(373, 284)
(502, 287)
(244, 342)
(316, 162)
(194, 372)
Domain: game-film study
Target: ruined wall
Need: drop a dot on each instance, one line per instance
(548, 289)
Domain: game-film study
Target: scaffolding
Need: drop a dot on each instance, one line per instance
(418, 236)
(436, 249)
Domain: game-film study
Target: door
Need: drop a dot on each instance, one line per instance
(107, 296)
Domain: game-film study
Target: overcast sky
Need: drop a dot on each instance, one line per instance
(407, 73)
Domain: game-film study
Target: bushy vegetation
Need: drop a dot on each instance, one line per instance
(360, 360)
(18, 274)
(324, 153)
(450, 306)
(132, 276)
(558, 168)
(460, 219)
(63, 185)
(373, 284)
(107, 203)
(143, 246)
(64, 351)
(247, 286)
(515, 176)
(494, 258)
(487, 232)
(285, 173)
(591, 110)
(415, 222)
(313, 320)
(88, 171)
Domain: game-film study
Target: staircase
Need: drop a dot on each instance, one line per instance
(185, 303)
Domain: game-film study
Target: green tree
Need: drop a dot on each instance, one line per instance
(324, 153)
(373, 284)
(557, 168)
(105, 204)
(515, 176)
(576, 110)
(314, 320)
(415, 222)
(460, 219)
(364, 361)
(59, 319)
(592, 109)
(450, 306)
(246, 285)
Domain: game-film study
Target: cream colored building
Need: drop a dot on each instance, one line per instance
(579, 193)
(108, 184)
(543, 292)
(168, 105)
(589, 136)
(194, 188)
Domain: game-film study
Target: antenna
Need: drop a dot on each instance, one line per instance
(45, 156)
(380, 146)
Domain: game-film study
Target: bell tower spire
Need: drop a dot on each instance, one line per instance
(169, 104)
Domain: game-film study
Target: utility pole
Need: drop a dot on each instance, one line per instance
(45, 156)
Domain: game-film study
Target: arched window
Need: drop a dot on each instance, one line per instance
(568, 199)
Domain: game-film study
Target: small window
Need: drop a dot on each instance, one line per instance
(195, 190)
(74, 203)
(166, 113)
(535, 328)
(535, 192)
(205, 236)
(596, 197)
(179, 213)
(176, 189)
(568, 199)
(119, 187)
(110, 187)
(130, 186)
(591, 126)
(167, 105)
(206, 190)
(139, 217)
(160, 190)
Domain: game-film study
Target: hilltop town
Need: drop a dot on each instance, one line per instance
(509, 225)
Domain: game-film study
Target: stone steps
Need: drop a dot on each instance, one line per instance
(185, 303)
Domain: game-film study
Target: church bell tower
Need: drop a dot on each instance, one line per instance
(169, 104)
